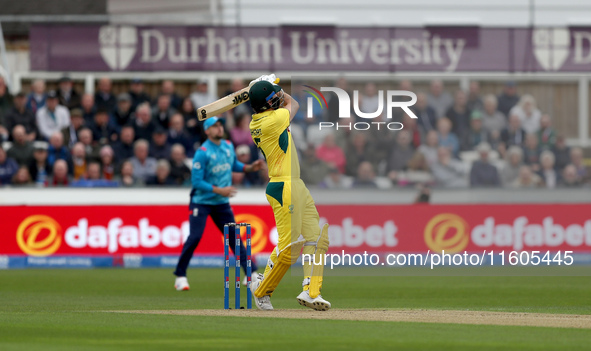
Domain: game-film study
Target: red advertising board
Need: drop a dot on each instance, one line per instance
(160, 230)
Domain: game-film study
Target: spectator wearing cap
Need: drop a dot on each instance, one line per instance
(201, 96)
(493, 120)
(546, 134)
(508, 98)
(459, 115)
(439, 99)
(483, 174)
(162, 176)
(476, 134)
(528, 113)
(513, 134)
(550, 177)
(427, 117)
(8, 167)
(142, 122)
(123, 148)
(137, 93)
(88, 108)
(178, 135)
(52, 117)
(167, 88)
(103, 132)
(104, 98)
(20, 115)
(68, 96)
(159, 148)
(122, 114)
(162, 112)
(39, 167)
(57, 150)
(37, 96)
(70, 132)
(22, 149)
(143, 166)
(178, 169)
(107, 162)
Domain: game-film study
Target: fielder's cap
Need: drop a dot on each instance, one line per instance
(40, 145)
(211, 121)
(76, 112)
(124, 97)
(261, 92)
(51, 94)
(476, 114)
(242, 150)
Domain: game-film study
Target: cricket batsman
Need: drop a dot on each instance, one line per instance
(211, 177)
(295, 213)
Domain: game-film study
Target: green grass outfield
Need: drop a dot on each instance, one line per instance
(48, 309)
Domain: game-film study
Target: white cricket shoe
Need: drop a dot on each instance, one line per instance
(263, 303)
(318, 304)
(181, 283)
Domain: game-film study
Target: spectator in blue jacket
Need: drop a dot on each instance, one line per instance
(8, 167)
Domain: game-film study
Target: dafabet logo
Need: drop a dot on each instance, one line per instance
(39, 235)
(447, 231)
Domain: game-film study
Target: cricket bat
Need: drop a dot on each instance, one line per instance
(224, 104)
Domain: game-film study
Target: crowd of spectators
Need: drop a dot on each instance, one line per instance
(66, 138)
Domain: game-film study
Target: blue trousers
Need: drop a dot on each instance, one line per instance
(220, 214)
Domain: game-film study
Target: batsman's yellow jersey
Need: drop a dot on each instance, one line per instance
(270, 132)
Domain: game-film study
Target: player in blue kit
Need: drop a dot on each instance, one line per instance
(211, 177)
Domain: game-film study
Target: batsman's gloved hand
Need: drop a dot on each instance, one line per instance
(266, 77)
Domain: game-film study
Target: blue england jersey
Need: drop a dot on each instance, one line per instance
(213, 166)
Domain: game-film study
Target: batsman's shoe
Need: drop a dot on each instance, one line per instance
(263, 303)
(181, 283)
(318, 303)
